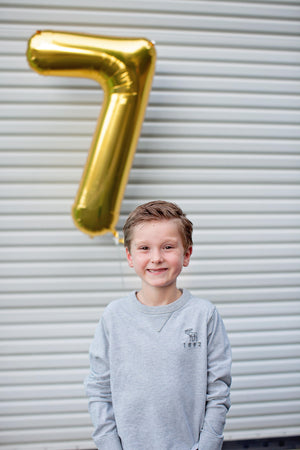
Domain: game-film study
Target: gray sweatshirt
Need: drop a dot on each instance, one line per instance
(159, 376)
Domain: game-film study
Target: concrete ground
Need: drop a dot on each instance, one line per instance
(282, 443)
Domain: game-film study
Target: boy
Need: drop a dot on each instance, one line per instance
(160, 359)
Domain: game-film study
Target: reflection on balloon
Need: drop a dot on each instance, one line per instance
(124, 68)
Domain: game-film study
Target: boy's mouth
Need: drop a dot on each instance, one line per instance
(161, 270)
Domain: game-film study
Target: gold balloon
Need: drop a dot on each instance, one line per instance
(124, 68)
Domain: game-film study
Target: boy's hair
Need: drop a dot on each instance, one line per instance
(158, 210)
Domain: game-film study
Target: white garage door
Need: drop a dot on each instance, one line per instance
(220, 137)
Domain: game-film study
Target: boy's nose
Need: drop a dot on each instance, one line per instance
(156, 257)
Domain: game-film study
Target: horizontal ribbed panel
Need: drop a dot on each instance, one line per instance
(220, 137)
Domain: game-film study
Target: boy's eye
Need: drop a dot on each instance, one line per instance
(168, 247)
(143, 247)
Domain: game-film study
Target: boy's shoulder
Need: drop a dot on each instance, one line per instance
(200, 303)
(119, 304)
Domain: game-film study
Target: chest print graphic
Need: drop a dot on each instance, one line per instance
(193, 338)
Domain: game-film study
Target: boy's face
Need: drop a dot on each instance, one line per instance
(157, 253)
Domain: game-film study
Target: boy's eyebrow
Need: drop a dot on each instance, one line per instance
(136, 243)
(144, 242)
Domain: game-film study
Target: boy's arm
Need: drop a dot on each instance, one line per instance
(97, 386)
(218, 385)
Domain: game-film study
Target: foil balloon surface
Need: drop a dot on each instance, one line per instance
(124, 68)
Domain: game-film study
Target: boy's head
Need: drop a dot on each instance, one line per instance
(158, 210)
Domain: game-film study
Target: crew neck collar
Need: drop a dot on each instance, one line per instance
(163, 309)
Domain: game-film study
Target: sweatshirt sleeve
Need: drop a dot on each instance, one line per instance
(98, 391)
(218, 385)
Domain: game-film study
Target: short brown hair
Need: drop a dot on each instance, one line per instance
(158, 210)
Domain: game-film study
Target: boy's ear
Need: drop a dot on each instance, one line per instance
(187, 256)
(129, 257)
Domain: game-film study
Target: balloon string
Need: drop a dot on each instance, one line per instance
(120, 252)
(117, 238)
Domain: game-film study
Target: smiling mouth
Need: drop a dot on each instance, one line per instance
(162, 270)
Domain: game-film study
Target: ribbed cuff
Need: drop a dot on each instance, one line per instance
(209, 441)
(108, 442)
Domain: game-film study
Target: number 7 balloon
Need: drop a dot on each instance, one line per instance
(124, 67)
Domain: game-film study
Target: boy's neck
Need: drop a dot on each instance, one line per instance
(158, 297)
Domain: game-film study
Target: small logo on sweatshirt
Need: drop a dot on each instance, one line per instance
(193, 338)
